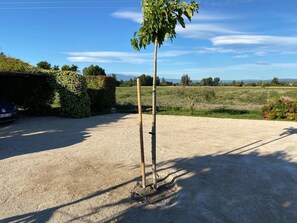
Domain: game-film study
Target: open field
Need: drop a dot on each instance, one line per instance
(241, 102)
(83, 170)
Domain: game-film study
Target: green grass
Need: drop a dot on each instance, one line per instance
(229, 102)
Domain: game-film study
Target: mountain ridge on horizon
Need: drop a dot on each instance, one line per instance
(125, 77)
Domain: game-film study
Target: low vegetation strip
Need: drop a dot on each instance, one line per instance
(219, 101)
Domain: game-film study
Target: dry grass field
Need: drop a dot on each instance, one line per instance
(223, 102)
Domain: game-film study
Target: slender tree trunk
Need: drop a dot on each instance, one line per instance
(154, 169)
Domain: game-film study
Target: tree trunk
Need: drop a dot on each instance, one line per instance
(154, 109)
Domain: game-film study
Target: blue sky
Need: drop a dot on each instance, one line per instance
(230, 39)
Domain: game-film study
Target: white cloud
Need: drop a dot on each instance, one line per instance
(263, 63)
(134, 16)
(215, 50)
(193, 30)
(121, 57)
(109, 57)
(241, 56)
(261, 52)
(207, 25)
(174, 53)
(257, 44)
(253, 40)
(211, 16)
(205, 30)
(201, 16)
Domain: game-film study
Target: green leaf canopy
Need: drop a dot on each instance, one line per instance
(160, 18)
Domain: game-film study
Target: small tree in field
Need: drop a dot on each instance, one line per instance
(185, 80)
(160, 18)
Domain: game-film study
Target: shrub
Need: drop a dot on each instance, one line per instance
(94, 70)
(34, 88)
(44, 65)
(280, 108)
(74, 99)
(14, 65)
(101, 90)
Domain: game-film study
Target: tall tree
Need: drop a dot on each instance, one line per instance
(65, 68)
(146, 80)
(160, 18)
(56, 67)
(216, 81)
(44, 65)
(163, 82)
(69, 68)
(74, 68)
(185, 80)
(207, 81)
(94, 70)
(275, 81)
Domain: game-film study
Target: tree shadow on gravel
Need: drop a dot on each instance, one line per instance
(214, 188)
(36, 134)
(226, 188)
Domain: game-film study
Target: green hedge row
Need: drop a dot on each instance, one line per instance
(74, 98)
(36, 92)
(101, 90)
(14, 65)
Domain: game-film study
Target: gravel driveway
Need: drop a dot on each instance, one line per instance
(222, 170)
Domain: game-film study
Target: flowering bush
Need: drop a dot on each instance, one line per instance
(281, 108)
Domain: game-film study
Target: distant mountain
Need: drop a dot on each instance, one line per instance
(288, 80)
(124, 77)
(173, 80)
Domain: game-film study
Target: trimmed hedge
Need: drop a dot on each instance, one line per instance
(34, 89)
(14, 65)
(102, 91)
(31, 89)
(74, 99)
(281, 108)
(36, 92)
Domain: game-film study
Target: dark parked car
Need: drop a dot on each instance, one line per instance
(8, 111)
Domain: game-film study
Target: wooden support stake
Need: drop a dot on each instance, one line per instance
(141, 134)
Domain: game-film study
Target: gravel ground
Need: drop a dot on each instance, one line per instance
(221, 170)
